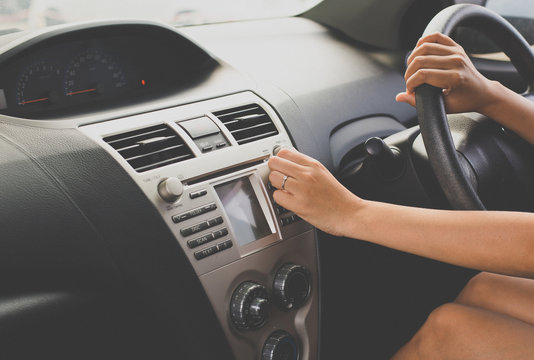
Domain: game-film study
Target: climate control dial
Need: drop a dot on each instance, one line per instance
(291, 286)
(249, 306)
(280, 346)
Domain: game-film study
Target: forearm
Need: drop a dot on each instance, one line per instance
(501, 242)
(511, 110)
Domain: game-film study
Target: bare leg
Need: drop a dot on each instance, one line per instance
(507, 295)
(456, 331)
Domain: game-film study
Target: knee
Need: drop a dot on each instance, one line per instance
(478, 289)
(438, 332)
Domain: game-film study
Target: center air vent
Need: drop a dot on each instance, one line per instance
(247, 123)
(151, 147)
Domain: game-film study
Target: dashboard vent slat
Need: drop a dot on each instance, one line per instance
(247, 123)
(150, 147)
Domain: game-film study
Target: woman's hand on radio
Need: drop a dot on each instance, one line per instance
(312, 192)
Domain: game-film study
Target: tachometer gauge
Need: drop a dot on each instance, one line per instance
(38, 85)
(92, 72)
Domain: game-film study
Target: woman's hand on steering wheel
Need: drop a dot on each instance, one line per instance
(439, 61)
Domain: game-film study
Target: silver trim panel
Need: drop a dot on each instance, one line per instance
(221, 268)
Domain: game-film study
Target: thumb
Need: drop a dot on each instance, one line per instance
(408, 98)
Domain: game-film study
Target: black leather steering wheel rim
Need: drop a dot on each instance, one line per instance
(442, 154)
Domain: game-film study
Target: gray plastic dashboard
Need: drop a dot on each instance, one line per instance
(308, 98)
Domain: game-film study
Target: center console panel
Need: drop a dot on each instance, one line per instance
(204, 167)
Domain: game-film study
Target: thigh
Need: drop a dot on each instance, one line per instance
(507, 295)
(455, 331)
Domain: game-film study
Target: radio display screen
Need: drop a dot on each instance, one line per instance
(243, 210)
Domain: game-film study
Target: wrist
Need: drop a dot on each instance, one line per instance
(354, 222)
(493, 97)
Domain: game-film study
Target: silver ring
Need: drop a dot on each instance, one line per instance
(284, 182)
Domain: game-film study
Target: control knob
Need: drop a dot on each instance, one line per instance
(291, 286)
(280, 346)
(249, 306)
(170, 189)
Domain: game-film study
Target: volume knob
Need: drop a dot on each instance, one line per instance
(170, 189)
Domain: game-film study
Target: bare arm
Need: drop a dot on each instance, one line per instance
(501, 242)
(512, 111)
(439, 61)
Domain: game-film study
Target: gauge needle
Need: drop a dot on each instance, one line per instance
(33, 101)
(81, 92)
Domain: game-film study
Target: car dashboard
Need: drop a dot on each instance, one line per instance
(202, 166)
(142, 151)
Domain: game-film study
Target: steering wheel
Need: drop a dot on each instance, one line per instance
(449, 167)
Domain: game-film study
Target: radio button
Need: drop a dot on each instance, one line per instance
(208, 208)
(201, 240)
(206, 252)
(289, 220)
(225, 245)
(194, 229)
(195, 212)
(216, 221)
(181, 217)
(198, 194)
(220, 233)
(201, 226)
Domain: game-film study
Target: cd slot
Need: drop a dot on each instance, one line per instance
(225, 171)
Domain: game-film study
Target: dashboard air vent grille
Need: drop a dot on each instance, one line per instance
(150, 147)
(247, 123)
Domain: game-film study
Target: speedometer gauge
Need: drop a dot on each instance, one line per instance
(91, 73)
(38, 85)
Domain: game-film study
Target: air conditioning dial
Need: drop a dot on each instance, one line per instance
(249, 306)
(280, 346)
(291, 286)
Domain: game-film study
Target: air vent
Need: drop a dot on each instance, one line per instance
(247, 123)
(151, 147)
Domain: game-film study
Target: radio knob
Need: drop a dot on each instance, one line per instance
(170, 189)
(280, 346)
(277, 148)
(291, 286)
(249, 306)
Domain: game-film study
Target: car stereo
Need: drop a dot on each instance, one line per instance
(204, 167)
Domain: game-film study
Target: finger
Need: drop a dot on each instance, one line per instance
(431, 49)
(435, 77)
(285, 166)
(436, 38)
(405, 97)
(285, 199)
(433, 62)
(296, 157)
(277, 180)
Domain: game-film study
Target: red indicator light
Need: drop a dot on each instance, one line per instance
(143, 82)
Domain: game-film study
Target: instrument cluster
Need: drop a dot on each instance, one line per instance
(85, 71)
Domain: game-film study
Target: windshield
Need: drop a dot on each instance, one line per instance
(31, 14)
